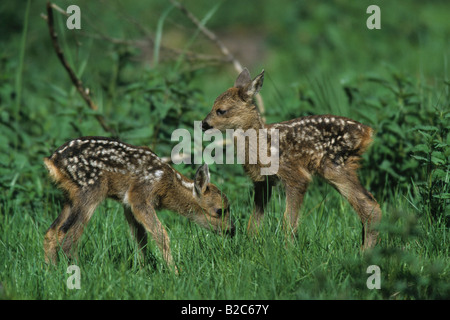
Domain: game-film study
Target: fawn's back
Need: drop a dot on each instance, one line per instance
(88, 161)
(314, 139)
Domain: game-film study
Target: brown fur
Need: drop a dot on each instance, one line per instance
(327, 145)
(90, 169)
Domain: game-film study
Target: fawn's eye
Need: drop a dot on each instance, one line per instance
(221, 112)
(219, 212)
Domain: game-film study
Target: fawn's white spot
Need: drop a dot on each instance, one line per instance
(188, 185)
(126, 199)
(158, 174)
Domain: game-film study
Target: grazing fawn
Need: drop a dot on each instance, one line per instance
(327, 145)
(90, 169)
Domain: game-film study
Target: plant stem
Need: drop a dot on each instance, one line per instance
(23, 43)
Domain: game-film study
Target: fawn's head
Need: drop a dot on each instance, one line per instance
(214, 212)
(234, 109)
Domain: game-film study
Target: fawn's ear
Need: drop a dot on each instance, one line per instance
(201, 179)
(243, 79)
(249, 90)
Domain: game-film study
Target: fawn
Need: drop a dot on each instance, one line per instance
(327, 145)
(89, 169)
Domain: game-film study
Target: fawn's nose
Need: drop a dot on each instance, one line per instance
(205, 125)
(231, 232)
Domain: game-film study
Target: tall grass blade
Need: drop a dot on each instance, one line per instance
(158, 37)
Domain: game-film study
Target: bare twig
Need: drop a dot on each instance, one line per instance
(84, 92)
(59, 9)
(169, 52)
(211, 36)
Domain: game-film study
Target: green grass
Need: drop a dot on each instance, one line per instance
(319, 58)
(324, 262)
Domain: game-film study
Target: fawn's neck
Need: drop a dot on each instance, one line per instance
(252, 169)
(254, 120)
(179, 195)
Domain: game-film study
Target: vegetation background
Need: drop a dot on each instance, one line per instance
(150, 70)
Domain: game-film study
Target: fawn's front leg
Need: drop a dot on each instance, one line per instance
(263, 192)
(145, 214)
(137, 230)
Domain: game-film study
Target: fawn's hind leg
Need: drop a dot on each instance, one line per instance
(345, 180)
(51, 239)
(68, 227)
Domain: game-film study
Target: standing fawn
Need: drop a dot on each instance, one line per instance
(90, 169)
(328, 145)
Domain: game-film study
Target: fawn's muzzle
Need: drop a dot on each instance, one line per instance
(231, 232)
(205, 125)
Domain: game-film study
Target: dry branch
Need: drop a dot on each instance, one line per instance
(84, 92)
(211, 36)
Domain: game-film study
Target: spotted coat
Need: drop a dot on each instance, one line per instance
(321, 137)
(86, 159)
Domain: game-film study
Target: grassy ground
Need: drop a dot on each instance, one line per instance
(324, 262)
(319, 58)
